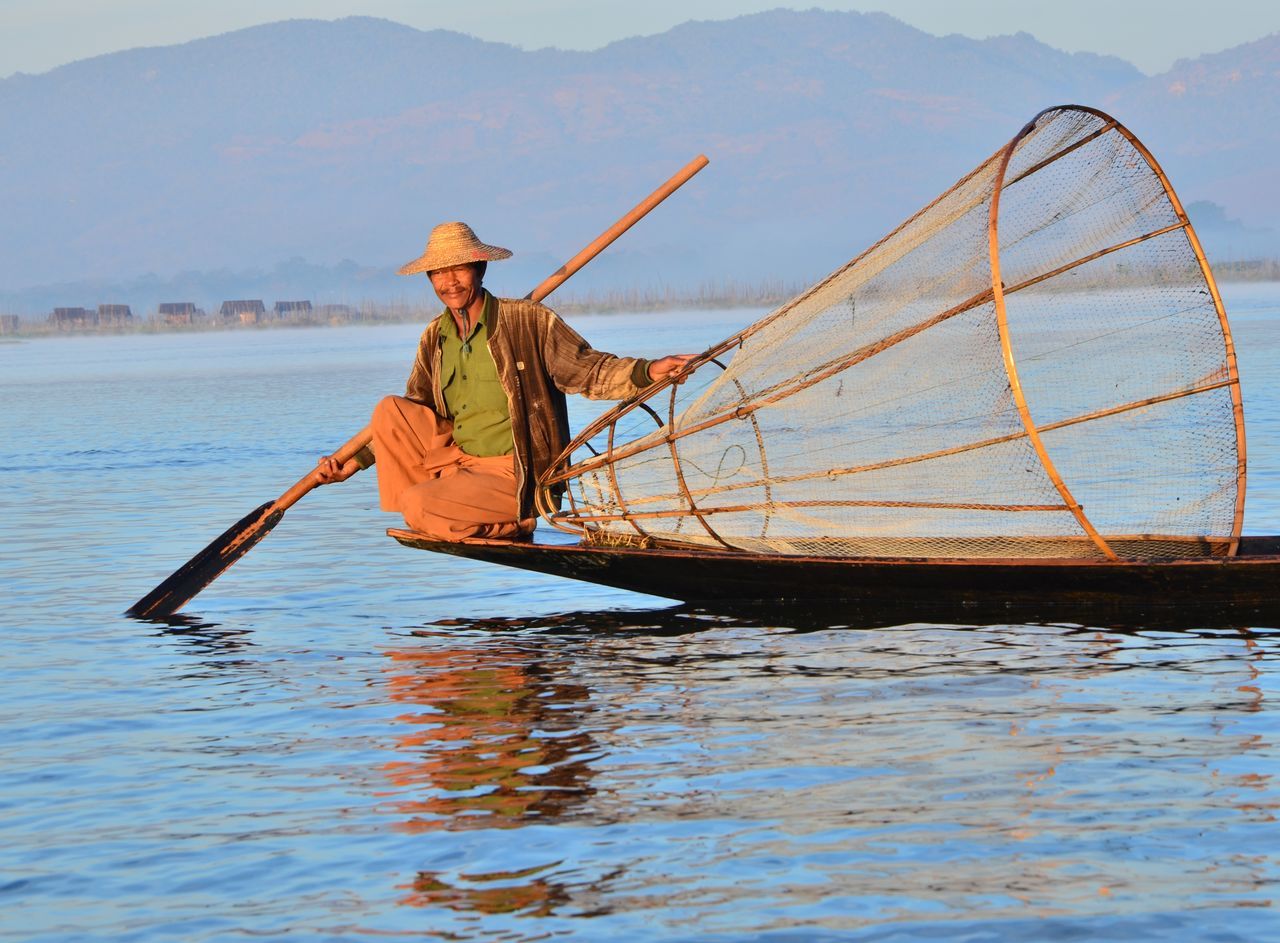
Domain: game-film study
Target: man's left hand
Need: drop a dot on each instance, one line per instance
(663, 368)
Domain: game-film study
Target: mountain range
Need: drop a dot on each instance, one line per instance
(319, 154)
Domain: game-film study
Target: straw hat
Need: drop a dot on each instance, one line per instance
(453, 244)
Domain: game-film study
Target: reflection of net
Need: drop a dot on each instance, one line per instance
(1036, 364)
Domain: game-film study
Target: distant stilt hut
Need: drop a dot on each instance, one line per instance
(114, 315)
(72, 319)
(293, 310)
(335, 314)
(249, 311)
(177, 312)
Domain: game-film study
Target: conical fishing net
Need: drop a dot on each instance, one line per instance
(1037, 364)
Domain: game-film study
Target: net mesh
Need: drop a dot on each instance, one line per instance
(1037, 364)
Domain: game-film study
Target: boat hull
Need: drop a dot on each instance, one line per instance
(1244, 587)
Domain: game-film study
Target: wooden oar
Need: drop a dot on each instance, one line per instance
(244, 534)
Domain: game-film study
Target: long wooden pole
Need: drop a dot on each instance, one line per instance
(202, 569)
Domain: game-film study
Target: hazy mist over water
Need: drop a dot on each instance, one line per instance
(344, 739)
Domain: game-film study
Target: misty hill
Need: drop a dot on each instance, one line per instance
(1214, 124)
(337, 141)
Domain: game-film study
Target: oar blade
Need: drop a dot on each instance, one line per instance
(207, 565)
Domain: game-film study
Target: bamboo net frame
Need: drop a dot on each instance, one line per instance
(1036, 364)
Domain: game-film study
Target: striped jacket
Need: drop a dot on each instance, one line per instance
(539, 358)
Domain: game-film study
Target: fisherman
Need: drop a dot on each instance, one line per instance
(484, 411)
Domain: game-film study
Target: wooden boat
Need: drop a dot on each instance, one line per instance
(1024, 399)
(1212, 590)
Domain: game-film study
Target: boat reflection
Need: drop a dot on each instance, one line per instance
(495, 737)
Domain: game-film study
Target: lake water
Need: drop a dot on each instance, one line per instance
(348, 740)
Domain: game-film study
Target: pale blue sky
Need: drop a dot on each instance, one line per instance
(37, 35)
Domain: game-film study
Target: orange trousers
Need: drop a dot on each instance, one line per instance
(441, 490)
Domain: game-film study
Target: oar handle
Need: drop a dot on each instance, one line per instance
(353, 445)
(311, 479)
(602, 241)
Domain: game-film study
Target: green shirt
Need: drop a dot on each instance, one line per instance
(473, 393)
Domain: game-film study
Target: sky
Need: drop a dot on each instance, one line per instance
(38, 35)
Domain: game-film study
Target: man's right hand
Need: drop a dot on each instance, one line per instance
(329, 472)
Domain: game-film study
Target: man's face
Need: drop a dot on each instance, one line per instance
(458, 286)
